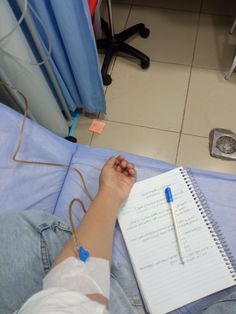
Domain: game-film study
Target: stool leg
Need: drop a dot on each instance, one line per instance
(133, 52)
(233, 66)
(105, 66)
(127, 33)
(102, 44)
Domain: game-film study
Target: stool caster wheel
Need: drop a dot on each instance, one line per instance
(106, 79)
(144, 33)
(145, 64)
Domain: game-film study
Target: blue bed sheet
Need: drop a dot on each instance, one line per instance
(51, 189)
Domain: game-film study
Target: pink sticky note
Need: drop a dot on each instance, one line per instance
(97, 126)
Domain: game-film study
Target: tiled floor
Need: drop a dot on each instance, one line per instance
(167, 111)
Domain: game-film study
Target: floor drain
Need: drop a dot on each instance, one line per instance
(226, 144)
(222, 144)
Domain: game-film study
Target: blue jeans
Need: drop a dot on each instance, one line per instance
(29, 243)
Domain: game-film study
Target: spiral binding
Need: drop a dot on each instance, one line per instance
(212, 225)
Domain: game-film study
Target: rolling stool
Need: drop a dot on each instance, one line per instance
(114, 43)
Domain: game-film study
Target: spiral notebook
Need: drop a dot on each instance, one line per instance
(146, 224)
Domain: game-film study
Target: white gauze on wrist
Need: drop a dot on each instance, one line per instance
(90, 277)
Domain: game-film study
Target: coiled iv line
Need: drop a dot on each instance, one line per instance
(14, 157)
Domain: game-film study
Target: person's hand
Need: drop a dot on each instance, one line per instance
(117, 178)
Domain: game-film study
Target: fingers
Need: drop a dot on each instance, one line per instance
(120, 158)
(125, 172)
(124, 163)
(119, 168)
(111, 161)
(132, 172)
(115, 162)
(123, 166)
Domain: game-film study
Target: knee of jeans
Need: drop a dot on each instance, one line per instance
(30, 241)
(124, 275)
(227, 305)
(118, 300)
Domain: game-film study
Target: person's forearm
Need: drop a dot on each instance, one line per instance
(95, 232)
(96, 229)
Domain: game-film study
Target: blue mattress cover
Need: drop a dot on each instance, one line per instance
(51, 189)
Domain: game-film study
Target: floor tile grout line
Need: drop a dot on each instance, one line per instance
(140, 126)
(196, 38)
(180, 10)
(210, 69)
(151, 128)
(219, 15)
(181, 64)
(190, 75)
(194, 135)
(128, 16)
(91, 139)
(165, 9)
(152, 60)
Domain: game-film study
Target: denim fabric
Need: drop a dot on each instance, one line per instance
(224, 306)
(29, 243)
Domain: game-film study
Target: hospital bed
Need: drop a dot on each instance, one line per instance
(24, 187)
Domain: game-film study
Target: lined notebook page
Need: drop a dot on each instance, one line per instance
(146, 224)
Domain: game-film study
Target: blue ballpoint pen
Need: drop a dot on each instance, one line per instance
(170, 200)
